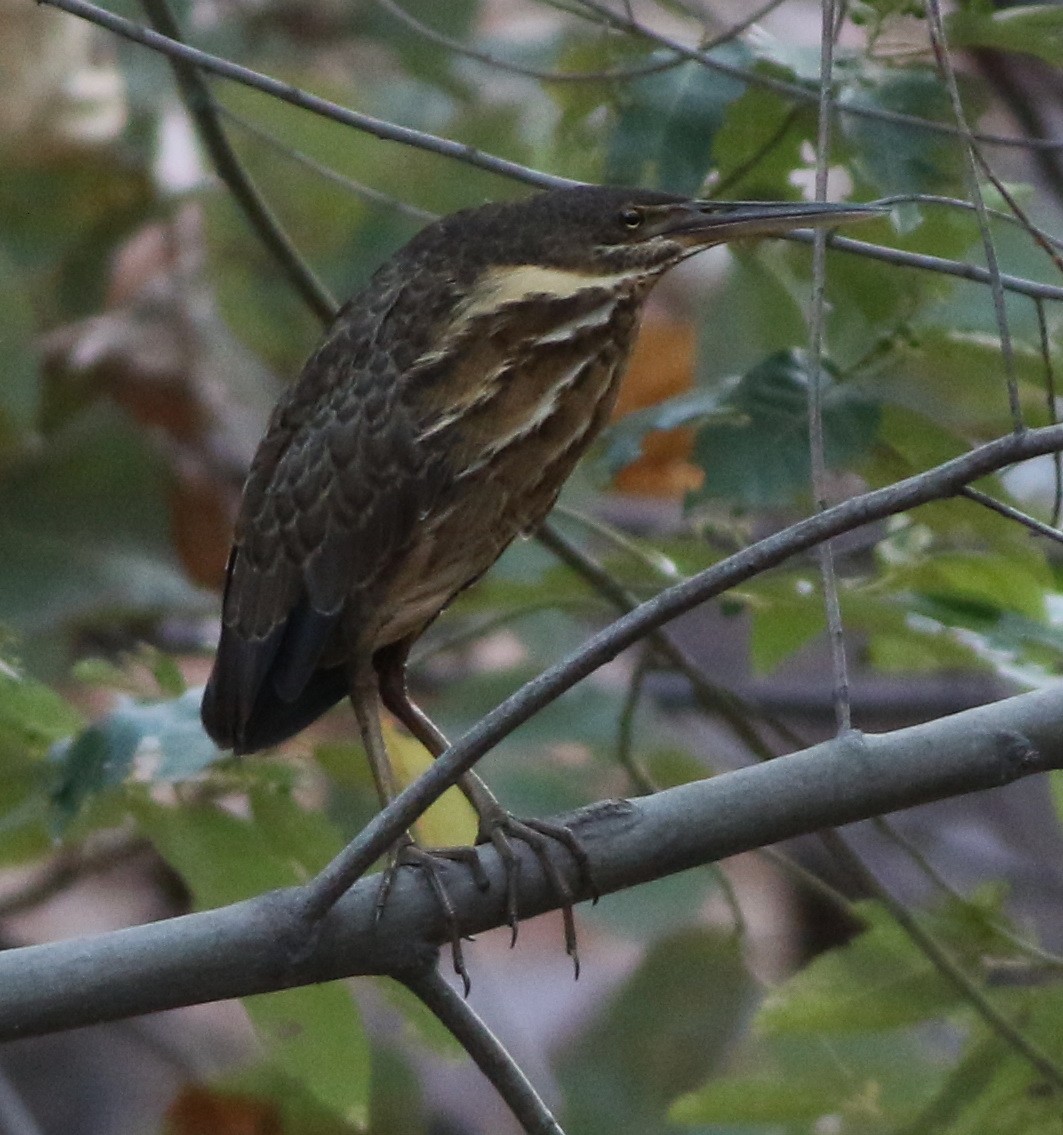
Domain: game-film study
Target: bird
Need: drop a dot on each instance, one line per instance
(435, 422)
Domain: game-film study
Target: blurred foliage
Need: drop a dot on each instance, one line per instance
(145, 330)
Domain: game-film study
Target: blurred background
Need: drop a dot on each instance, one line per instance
(146, 332)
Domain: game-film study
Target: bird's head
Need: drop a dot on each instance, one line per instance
(607, 231)
(564, 241)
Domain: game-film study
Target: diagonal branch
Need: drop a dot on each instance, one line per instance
(204, 112)
(254, 946)
(367, 123)
(944, 480)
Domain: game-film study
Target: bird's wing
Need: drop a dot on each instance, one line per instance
(335, 489)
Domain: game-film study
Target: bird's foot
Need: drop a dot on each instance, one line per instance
(410, 854)
(501, 828)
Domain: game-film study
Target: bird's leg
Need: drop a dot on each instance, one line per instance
(365, 700)
(497, 825)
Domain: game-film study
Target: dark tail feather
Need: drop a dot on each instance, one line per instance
(263, 691)
(273, 719)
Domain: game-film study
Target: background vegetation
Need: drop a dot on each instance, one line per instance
(146, 329)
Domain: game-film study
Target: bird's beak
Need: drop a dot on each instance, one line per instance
(701, 223)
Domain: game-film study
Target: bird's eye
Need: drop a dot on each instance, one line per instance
(630, 218)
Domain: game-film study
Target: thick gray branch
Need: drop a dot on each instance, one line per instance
(256, 946)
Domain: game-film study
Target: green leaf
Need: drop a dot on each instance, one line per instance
(893, 158)
(763, 459)
(83, 524)
(994, 1088)
(996, 583)
(880, 980)
(221, 857)
(663, 1032)
(32, 718)
(623, 442)
(755, 1100)
(161, 740)
(1034, 29)
(782, 623)
(315, 1035)
(304, 838)
(958, 379)
(32, 715)
(758, 147)
(757, 315)
(666, 124)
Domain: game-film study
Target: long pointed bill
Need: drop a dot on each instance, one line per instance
(714, 222)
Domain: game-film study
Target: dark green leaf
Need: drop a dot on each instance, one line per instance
(763, 459)
(664, 130)
(895, 158)
(623, 442)
(663, 1032)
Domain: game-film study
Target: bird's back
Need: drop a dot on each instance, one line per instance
(437, 421)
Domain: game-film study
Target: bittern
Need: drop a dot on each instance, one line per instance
(437, 421)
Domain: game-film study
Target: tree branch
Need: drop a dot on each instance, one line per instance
(200, 105)
(944, 480)
(378, 127)
(485, 1049)
(256, 946)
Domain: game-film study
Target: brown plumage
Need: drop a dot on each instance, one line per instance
(436, 421)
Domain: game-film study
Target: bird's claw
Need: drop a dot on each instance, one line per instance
(410, 854)
(538, 834)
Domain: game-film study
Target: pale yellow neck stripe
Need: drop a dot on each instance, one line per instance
(512, 283)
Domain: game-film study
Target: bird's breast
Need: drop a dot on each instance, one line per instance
(511, 436)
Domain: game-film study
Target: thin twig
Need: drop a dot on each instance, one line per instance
(546, 75)
(835, 631)
(805, 94)
(640, 778)
(1045, 239)
(974, 272)
(936, 28)
(358, 188)
(1053, 409)
(486, 1050)
(69, 866)
(1012, 513)
(543, 74)
(378, 127)
(261, 943)
(388, 131)
(644, 783)
(712, 698)
(660, 564)
(199, 103)
(943, 481)
(948, 967)
(768, 146)
(1047, 245)
(1032, 949)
